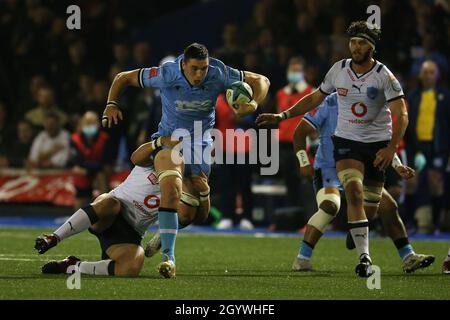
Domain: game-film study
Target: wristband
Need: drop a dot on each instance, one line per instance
(396, 162)
(285, 115)
(302, 157)
(112, 103)
(156, 143)
(204, 195)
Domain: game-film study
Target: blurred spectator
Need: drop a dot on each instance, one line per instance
(429, 125)
(29, 95)
(339, 39)
(46, 104)
(50, 148)
(19, 151)
(296, 89)
(234, 180)
(231, 52)
(141, 55)
(89, 156)
(428, 51)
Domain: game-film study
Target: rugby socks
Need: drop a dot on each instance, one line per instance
(306, 250)
(360, 234)
(404, 248)
(168, 227)
(98, 268)
(81, 220)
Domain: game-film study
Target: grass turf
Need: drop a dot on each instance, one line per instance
(222, 267)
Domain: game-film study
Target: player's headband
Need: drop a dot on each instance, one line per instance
(364, 36)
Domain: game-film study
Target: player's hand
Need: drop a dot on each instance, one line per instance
(111, 114)
(168, 142)
(306, 172)
(384, 157)
(243, 109)
(268, 118)
(405, 172)
(200, 182)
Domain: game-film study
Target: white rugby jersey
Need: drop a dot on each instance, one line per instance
(140, 194)
(363, 112)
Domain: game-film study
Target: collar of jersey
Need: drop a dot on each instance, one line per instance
(356, 75)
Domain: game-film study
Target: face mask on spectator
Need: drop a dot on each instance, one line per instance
(90, 131)
(295, 77)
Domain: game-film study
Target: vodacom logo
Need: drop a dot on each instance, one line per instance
(359, 109)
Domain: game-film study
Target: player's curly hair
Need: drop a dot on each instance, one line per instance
(361, 29)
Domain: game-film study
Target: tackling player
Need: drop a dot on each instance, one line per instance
(365, 140)
(121, 217)
(189, 88)
(327, 187)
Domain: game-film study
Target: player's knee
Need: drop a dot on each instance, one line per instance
(107, 205)
(329, 207)
(354, 193)
(328, 202)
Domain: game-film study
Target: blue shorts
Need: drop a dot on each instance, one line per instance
(325, 177)
(196, 160)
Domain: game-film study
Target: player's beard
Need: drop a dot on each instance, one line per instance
(364, 57)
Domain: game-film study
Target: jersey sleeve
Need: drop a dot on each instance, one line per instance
(391, 86)
(155, 77)
(227, 74)
(328, 84)
(317, 116)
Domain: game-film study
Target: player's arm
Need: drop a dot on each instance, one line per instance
(141, 156)
(384, 156)
(121, 81)
(303, 130)
(260, 87)
(305, 104)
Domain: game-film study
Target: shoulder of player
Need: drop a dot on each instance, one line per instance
(383, 72)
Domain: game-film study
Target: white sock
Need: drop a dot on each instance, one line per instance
(98, 268)
(448, 256)
(77, 223)
(360, 234)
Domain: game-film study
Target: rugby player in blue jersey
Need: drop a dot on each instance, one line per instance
(189, 88)
(327, 187)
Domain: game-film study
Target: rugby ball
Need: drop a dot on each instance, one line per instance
(239, 92)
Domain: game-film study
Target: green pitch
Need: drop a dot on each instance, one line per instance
(222, 267)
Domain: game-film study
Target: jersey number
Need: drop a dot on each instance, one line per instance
(359, 109)
(151, 201)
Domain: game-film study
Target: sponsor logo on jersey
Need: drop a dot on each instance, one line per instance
(342, 91)
(153, 72)
(396, 85)
(359, 109)
(153, 178)
(190, 106)
(350, 75)
(372, 92)
(357, 88)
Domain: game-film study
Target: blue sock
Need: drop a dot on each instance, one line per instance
(168, 226)
(306, 250)
(405, 251)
